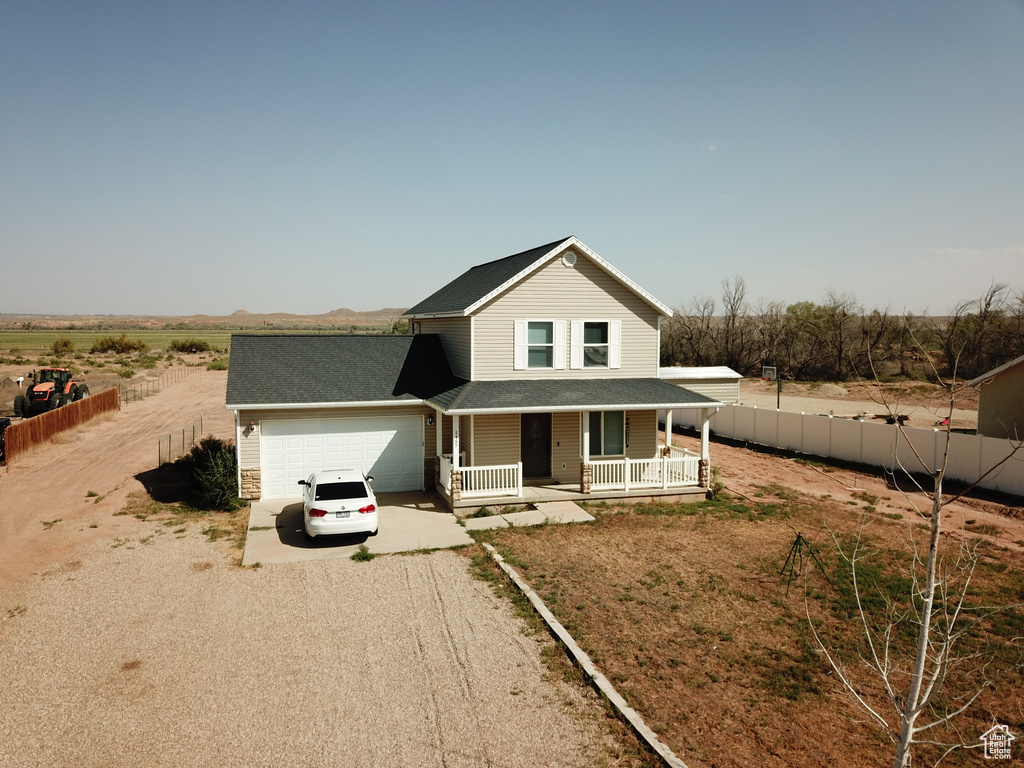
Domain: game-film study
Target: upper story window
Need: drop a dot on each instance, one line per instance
(595, 345)
(540, 350)
(539, 345)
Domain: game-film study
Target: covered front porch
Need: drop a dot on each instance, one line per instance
(644, 464)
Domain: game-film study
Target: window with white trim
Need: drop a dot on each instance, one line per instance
(540, 344)
(607, 433)
(595, 345)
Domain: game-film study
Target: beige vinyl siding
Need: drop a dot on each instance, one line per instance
(556, 292)
(456, 335)
(249, 445)
(723, 390)
(1001, 405)
(496, 439)
(643, 434)
(465, 437)
(565, 447)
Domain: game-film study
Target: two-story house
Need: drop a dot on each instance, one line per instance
(534, 376)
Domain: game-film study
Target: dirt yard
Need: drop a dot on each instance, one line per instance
(130, 642)
(113, 629)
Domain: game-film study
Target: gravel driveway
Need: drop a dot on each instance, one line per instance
(136, 645)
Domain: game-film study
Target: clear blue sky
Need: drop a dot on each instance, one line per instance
(181, 157)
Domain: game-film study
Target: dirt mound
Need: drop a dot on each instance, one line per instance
(829, 390)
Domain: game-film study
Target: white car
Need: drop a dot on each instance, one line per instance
(338, 501)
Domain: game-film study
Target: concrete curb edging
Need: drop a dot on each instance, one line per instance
(597, 680)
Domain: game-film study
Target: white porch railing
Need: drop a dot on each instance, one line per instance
(675, 471)
(499, 480)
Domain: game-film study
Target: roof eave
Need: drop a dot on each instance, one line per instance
(577, 408)
(311, 406)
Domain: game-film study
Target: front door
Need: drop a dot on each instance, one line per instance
(536, 444)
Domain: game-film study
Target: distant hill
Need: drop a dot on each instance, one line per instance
(238, 320)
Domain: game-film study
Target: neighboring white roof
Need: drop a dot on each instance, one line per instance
(698, 372)
(985, 377)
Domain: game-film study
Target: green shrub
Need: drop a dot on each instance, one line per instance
(363, 554)
(214, 473)
(63, 347)
(220, 364)
(126, 373)
(146, 362)
(122, 345)
(189, 345)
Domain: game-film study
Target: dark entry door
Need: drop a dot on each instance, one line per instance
(536, 444)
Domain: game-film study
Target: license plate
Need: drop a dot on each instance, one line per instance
(343, 514)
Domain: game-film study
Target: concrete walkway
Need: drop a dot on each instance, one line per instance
(551, 512)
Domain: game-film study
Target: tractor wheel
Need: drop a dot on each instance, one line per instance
(82, 392)
(56, 401)
(21, 406)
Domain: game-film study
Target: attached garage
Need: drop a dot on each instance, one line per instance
(388, 447)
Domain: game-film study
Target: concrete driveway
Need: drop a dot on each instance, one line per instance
(408, 522)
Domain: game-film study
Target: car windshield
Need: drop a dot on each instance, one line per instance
(352, 489)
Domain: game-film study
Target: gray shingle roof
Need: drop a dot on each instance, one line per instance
(567, 394)
(311, 369)
(469, 287)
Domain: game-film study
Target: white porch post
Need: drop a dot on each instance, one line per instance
(704, 465)
(456, 437)
(668, 431)
(438, 433)
(438, 447)
(456, 473)
(586, 437)
(705, 433)
(586, 471)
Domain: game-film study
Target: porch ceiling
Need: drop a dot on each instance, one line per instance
(544, 395)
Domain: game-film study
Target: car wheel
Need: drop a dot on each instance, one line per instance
(21, 406)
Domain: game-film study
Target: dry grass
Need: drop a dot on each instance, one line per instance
(685, 609)
(168, 501)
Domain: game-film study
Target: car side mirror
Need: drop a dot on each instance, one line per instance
(369, 478)
(303, 482)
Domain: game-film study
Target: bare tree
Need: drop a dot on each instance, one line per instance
(936, 606)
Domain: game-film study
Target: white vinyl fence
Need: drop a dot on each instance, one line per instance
(869, 442)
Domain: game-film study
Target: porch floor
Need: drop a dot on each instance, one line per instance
(537, 494)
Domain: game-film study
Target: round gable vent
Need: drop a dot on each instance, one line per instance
(569, 258)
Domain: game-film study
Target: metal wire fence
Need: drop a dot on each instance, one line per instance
(179, 442)
(138, 390)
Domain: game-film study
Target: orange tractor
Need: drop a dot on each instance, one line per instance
(52, 388)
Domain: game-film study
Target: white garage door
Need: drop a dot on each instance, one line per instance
(389, 448)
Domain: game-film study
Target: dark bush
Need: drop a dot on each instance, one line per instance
(121, 346)
(189, 346)
(214, 473)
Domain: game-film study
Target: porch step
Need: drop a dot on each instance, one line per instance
(549, 512)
